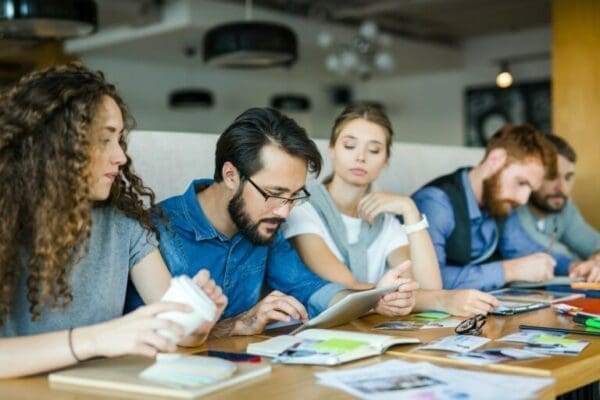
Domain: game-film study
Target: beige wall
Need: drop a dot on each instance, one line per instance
(576, 94)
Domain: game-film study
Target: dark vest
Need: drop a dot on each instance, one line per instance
(458, 244)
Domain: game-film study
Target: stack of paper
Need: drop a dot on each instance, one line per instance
(547, 342)
(456, 343)
(416, 324)
(397, 380)
(496, 355)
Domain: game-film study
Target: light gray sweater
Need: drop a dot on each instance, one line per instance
(98, 282)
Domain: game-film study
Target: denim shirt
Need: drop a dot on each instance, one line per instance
(435, 203)
(188, 242)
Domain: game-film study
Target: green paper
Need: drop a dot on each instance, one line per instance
(547, 339)
(432, 315)
(339, 345)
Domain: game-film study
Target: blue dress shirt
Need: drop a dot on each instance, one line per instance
(435, 203)
(189, 242)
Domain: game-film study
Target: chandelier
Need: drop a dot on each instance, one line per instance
(367, 52)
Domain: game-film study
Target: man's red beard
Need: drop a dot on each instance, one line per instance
(496, 206)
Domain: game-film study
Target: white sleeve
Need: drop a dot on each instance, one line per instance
(394, 234)
(302, 220)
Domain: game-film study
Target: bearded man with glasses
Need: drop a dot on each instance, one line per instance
(230, 226)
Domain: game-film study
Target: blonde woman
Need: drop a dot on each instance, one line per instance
(349, 233)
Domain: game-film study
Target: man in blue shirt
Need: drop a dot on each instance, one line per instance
(230, 226)
(550, 221)
(463, 209)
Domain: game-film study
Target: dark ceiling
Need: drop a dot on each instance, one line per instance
(440, 21)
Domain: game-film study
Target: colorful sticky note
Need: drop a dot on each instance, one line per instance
(432, 315)
(339, 345)
(547, 339)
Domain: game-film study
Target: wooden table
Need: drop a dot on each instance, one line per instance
(570, 372)
(292, 382)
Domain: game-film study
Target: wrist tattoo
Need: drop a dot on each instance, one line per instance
(223, 328)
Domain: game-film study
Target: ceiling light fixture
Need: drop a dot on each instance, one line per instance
(504, 79)
(190, 97)
(290, 102)
(47, 19)
(250, 44)
(365, 54)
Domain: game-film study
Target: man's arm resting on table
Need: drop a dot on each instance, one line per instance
(485, 277)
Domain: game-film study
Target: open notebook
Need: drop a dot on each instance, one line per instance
(326, 346)
(188, 377)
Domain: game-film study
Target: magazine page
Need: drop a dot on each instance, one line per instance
(377, 341)
(331, 351)
(397, 380)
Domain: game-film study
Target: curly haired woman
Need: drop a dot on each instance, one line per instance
(73, 228)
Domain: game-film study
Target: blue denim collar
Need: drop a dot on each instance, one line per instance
(194, 214)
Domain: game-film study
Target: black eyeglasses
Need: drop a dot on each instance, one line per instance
(471, 326)
(272, 201)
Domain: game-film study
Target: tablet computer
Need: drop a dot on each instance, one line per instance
(351, 307)
(507, 307)
(533, 295)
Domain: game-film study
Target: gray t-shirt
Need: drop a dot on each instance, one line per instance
(574, 236)
(98, 282)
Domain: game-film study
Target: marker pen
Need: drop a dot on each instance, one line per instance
(587, 321)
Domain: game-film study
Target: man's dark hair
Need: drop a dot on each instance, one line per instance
(562, 147)
(242, 142)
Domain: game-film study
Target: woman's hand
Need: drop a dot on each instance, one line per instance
(376, 203)
(202, 279)
(135, 333)
(403, 300)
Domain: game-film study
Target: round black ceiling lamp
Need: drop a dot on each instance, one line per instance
(290, 102)
(189, 97)
(47, 19)
(250, 44)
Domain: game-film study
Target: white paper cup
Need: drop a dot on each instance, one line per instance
(183, 290)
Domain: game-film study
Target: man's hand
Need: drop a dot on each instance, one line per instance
(274, 307)
(469, 302)
(590, 270)
(401, 301)
(535, 267)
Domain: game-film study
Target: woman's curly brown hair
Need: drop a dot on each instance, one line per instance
(45, 208)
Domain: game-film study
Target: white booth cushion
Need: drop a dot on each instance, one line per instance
(169, 161)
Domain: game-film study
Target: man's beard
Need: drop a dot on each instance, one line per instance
(497, 207)
(241, 219)
(542, 203)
